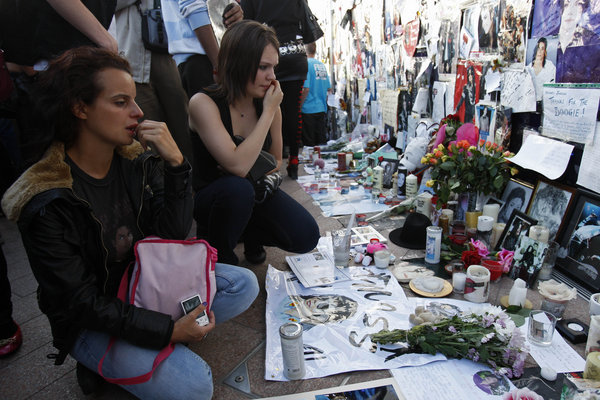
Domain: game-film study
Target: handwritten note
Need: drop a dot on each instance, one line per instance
(547, 156)
(454, 379)
(590, 164)
(389, 107)
(560, 356)
(518, 91)
(570, 113)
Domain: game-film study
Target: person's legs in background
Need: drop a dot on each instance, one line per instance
(292, 122)
(11, 337)
(163, 99)
(282, 222)
(196, 74)
(222, 210)
(314, 129)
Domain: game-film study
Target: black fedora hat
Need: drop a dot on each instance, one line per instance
(414, 232)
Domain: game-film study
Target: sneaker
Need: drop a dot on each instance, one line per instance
(11, 344)
(255, 254)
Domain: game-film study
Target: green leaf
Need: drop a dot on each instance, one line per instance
(447, 166)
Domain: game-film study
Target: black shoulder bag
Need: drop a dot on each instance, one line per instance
(154, 34)
(311, 31)
(264, 185)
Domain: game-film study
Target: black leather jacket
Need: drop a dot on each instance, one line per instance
(63, 241)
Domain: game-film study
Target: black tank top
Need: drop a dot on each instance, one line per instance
(206, 169)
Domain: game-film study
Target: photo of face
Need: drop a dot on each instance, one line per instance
(320, 309)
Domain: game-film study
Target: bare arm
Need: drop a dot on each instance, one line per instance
(234, 15)
(205, 119)
(78, 15)
(206, 37)
(303, 95)
(276, 140)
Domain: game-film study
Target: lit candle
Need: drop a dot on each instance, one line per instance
(491, 210)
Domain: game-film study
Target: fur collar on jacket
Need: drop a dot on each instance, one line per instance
(51, 172)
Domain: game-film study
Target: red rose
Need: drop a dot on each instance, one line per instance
(471, 257)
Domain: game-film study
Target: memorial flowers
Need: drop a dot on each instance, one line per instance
(465, 165)
(488, 336)
(473, 251)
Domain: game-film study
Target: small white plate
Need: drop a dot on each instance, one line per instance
(405, 272)
(430, 286)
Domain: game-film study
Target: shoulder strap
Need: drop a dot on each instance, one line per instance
(160, 357)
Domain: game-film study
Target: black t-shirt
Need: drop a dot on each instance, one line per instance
(112, 207)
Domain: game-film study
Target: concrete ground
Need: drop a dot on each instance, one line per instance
(235, 350)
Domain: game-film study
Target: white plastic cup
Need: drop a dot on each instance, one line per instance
(382, 258)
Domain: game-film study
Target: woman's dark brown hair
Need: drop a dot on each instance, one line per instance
(241, 49)
(71, 79)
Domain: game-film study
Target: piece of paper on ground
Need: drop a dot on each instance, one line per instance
(450, 380)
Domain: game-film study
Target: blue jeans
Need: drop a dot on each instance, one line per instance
(225, 212)
(184, 374)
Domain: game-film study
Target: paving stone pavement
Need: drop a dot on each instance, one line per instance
(29, 374)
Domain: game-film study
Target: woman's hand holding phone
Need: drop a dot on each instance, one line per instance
(187, 330)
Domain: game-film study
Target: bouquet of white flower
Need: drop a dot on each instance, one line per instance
(489, 337)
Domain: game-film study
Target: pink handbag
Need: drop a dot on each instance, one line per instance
(165, 273)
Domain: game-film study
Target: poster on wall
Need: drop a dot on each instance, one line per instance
(489, 18)
(546, 18)
(411, 36)
(578, 54)
(466, 92)
(512, 35)
(470, 25)
(447, 46)
(541, 62)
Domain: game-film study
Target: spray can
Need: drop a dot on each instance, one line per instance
(292, 350)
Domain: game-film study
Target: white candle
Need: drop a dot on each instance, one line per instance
(449, 213)
(491, 210)
(477, 284)
(458, 282)
(517, 296)
(424, 204)
(497, 230)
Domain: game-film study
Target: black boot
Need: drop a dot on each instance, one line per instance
(292, 168)
(89, 381)
(255, 253)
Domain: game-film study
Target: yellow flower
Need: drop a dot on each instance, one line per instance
(429, 183)
(424, 160)
(445, 158)
(441, 147)
(513, 171)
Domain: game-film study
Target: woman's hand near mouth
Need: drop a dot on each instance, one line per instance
(156, 135)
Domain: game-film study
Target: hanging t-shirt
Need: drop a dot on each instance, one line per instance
(112, 206)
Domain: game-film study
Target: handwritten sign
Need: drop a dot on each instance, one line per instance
(389, 107)
(570, 113)
(590, 164)
(518, 91)
(547, 156)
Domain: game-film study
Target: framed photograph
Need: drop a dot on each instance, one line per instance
(516, 196)
(580, 241)
(517, 226)
(528, 259)
(549, 205)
